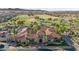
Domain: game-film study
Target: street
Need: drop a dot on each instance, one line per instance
(71, 43)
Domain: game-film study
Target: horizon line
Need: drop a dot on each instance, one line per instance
(48, 9)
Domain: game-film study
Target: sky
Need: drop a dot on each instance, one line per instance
(41, 4)
(55, 9)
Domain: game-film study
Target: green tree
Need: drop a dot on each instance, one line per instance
(20, 22)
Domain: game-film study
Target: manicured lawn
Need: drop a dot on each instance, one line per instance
(61, 44)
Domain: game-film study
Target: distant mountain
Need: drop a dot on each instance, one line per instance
(8, 13)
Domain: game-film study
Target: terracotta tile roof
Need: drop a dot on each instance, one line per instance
(51, 33)
(28, 33)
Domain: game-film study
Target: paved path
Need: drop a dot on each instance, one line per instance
(45, 48)
(72, 46)
(71, 42)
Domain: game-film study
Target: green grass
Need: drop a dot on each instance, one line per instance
(61, 44)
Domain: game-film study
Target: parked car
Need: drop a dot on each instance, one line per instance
(3, 46)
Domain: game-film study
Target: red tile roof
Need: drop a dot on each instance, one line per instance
(28, 33)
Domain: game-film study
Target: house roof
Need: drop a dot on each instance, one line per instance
(50, 32)
(3, 32)
(28, 33)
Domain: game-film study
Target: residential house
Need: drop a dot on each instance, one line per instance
(22, 35)
(49, 32)
(4, 36)
(27, 33)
